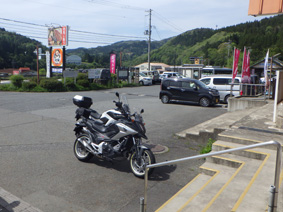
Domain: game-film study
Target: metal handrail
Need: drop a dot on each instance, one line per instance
(252, 89)
(273, 205)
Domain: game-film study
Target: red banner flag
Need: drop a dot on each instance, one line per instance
(235, 63)
(113, 63)
(246, 75)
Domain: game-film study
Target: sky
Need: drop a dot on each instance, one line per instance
(95, 23)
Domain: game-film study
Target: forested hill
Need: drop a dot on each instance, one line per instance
(214, 46)
(16, 50)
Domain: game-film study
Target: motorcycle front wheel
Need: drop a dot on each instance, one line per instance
(79, 149)
(138, 166)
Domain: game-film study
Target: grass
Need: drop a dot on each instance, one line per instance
(208, 147)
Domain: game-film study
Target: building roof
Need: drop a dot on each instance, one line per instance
(74, 57)
(276, 64)
(153, 64)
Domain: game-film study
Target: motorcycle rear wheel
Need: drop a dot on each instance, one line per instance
(80, 151)
(137, 168)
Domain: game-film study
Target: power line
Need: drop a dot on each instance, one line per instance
(115, 4)
(166, 21)
(33, 30)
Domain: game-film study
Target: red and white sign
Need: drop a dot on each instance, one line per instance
(235, 63)
(112, 63)
(58, 36)
(57, 57)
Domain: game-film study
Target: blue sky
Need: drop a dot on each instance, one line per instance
(112, 19)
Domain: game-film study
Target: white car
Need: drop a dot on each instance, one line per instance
(223, 84)
(144, 80)
(170, 75)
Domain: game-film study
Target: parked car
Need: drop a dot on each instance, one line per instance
(170, 75)
(154, 75)
(144, 80)
(187, 89)
(223, 84)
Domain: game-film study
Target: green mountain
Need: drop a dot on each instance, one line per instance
(129, 50)
(214, 47)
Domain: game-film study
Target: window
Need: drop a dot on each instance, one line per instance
(206, 81)
(220, 81)
(185, 85)
(175, 84)
(189, 85)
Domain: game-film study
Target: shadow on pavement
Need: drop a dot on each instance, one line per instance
(8, 207)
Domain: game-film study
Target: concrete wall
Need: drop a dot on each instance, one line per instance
(241, 103)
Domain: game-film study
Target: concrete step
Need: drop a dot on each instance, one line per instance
(246, 137)
(186, 194)
(238, 181)
(194, 196)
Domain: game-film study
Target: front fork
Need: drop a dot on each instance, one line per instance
(139, 149)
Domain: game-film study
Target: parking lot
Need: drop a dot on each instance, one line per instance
(38, 165)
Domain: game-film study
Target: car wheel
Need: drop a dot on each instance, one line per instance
(165, 99)
(141, 83)
(204, 102)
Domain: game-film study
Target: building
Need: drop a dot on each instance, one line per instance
(160, 67)
(74, 59)
(188, 70)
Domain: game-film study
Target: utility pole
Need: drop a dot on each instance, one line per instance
(149, 39)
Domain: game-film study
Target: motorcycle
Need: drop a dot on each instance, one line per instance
(113, 134)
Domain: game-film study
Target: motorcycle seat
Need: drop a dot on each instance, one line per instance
(94, 114)
(97, 125)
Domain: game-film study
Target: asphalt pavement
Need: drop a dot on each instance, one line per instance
(257, 122)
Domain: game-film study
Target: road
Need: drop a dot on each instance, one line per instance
(38, 165)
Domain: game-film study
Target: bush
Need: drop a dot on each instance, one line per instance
(7, 87)
(97, 86)
(51, 84)
(82, 76)
(71, 86)
(17, 80)
(28, 86)
(84, 83)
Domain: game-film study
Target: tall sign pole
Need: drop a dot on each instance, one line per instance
(149, 39)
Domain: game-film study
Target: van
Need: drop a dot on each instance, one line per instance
(223, 84)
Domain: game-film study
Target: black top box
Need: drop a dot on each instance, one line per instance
(82, 101)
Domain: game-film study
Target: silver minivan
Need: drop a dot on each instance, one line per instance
(223, 84)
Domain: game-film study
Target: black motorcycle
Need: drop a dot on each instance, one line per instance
(115, 133)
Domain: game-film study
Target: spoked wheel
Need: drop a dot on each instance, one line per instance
(79, 149)
(138, 166)
(204, 102)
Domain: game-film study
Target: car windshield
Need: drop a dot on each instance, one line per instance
(142, 75)
(201, 84)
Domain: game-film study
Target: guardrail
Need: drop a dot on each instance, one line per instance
(274, 189)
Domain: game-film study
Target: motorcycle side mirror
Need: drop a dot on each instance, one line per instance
(117, 94)
(142, 110)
